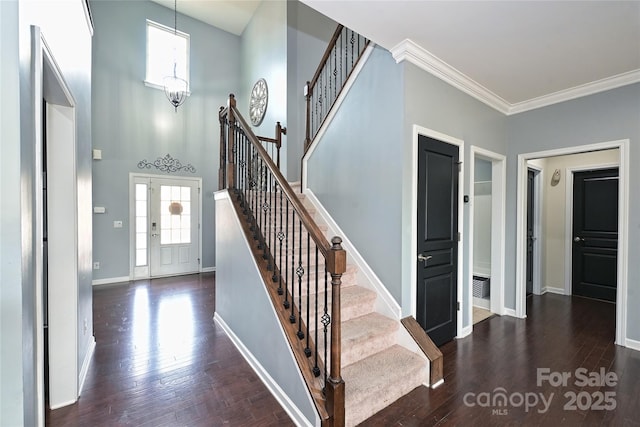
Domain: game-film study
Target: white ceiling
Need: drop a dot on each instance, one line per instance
(513, 55)
(229, 15)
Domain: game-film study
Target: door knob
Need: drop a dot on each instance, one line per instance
(424, 259)
(578, 239)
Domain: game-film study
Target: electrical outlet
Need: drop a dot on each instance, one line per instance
(96, 265)
(117, 224)
(86, 326)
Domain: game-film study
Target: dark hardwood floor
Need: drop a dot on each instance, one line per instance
(160, 360)
(561, 334)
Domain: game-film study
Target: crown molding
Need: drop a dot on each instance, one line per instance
(591, 88)
(408, 50)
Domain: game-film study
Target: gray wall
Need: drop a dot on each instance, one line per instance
(264, 55)
(70, 42)
(607, 116)
(356, 169)
(244, 305)
(11, 280)
(308, 35)
(132, 122)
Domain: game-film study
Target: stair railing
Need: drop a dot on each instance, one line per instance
(340, 58)
(272, 145)
(294, 257)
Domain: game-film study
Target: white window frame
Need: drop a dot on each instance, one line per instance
(187, 37)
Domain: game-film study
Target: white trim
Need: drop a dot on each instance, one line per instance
(291, 409)
(586, 89)
(86, 363)
(410, 51)
(466, 331)
(538, 242)
(437, 383)
(632, 344)
(336, 106)
(385, 304)
(88, 16)
(509, 312)
(132, 219)
(568, 219)
(110, 280)
(498, 224)
(552, 290)
(623, 226)
(207, 269)
(430, 133)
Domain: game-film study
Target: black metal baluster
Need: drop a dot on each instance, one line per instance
(326, 319)
(274, 226)
(280, 237)
(307, 350)
(300, 273)
(292, 317)
(286, 255)
(352, 40)
(316, 369)
(266, 235)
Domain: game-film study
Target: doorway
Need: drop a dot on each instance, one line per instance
(560, 261)
(487, 243)
(165, 231)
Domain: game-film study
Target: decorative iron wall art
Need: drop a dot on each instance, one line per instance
(166, 164)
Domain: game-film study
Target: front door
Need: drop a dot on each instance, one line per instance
(166, 226)
(437, 251)
(174, 223)
(595, 234)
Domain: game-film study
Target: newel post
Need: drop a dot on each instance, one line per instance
(231, 143)
(279, 132)
(307, 97)
(334, 387)
(222, 184)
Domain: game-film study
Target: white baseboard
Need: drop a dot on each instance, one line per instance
(298, 418)
(509, 312)
(85, 364)
(62, 405)
(466, 331)
(632, 344)
(110, 280)
(389, 304)
(552, 290)
(207, 269)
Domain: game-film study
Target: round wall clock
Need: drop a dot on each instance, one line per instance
(258, 102)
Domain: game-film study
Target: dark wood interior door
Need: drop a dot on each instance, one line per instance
(437, 251)
(595, 234)
(530, 221)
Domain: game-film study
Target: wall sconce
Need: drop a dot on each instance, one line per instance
(555, 178)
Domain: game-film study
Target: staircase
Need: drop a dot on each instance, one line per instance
(376, 369)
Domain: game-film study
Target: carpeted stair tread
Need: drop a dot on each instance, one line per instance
(375, 382)
(365, 335)
(355, 301)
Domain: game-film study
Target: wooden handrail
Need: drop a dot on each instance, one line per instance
(315, 232)
(330, 397)
(326, 55)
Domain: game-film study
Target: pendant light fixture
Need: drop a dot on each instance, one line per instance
(175, 88)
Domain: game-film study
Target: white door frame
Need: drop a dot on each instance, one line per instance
(430, 133)
(623, 227)
(132, 219)
(498, 215)
(64, 376)
(538, 201)
(568, 245)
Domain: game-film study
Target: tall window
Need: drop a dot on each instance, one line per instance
(164, 48)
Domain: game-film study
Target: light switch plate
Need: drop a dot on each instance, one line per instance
(117, 224)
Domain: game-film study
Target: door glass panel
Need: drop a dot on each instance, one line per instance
(141, 192)
(175, 218)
